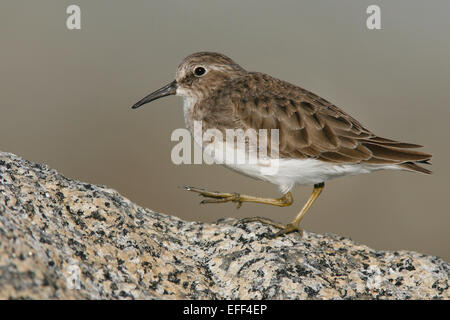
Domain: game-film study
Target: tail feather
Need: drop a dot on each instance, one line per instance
(393, 143)
(389, 151)
(411, 166)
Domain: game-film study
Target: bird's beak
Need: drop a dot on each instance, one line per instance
(167, 90)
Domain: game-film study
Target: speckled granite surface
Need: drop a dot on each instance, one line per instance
(61, 238)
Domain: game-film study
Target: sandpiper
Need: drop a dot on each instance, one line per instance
(317, 140)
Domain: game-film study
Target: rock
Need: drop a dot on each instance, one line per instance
(61, 238)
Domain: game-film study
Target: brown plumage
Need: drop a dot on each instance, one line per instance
(229, 97)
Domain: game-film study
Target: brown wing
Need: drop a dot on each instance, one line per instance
(310, 126)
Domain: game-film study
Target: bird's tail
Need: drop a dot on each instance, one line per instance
(386, 151)
(413, 166)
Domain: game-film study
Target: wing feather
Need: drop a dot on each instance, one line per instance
(310, 126)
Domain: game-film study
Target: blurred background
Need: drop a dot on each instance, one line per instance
(66, 98)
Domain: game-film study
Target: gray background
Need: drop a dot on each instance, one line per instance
(66, 97)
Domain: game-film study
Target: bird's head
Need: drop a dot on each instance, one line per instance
(198, 75)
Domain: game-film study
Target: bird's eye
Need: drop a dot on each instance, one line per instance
(199, 71)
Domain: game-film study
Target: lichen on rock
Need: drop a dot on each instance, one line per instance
(61, 238)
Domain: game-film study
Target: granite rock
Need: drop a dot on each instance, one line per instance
(61, 238)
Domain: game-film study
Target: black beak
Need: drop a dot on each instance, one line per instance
(167, 90)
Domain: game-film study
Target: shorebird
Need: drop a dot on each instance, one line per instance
(317, 140)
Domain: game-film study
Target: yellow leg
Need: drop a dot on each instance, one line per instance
(285, 200)
(221, 197)
(295, 224)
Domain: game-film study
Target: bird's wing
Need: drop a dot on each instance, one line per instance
(310, 126)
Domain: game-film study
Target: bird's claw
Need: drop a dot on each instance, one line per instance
(289, 228)
(216, 197)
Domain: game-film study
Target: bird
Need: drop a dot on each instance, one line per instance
(317, 141)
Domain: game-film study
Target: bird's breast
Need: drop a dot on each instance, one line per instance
(188, 110)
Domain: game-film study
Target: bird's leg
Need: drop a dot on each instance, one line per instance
(295, 224)
(285, 200)
(221, 197)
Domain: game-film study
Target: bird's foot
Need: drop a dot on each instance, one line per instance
(216, 197)
(283, 229)
(262, 220)
(289, 228)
